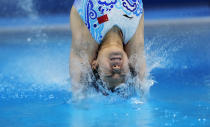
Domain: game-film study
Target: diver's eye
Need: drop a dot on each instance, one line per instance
(127, 16)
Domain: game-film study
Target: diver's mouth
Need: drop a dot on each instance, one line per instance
(115, 56)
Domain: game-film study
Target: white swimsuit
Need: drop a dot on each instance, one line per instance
(101, 15)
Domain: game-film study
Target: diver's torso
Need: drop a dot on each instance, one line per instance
(101, 15)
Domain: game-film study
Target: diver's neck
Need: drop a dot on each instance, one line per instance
(113, 37)
(113, 41)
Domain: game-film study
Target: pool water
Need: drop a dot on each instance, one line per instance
(35, 89)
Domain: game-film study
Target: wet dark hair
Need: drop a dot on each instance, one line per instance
(99, 85)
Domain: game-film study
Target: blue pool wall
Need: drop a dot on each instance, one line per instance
(9, 8)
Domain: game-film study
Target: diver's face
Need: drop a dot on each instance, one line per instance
(113, 65)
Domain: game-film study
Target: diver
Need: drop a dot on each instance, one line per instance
(108, 41)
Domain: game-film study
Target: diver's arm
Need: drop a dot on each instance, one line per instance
(135, 50)
(83, 48)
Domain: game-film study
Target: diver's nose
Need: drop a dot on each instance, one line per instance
(116, 67)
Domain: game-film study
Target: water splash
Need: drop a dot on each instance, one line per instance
(155, 58)
(160, 57)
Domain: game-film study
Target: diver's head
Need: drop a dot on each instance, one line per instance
(112, 61)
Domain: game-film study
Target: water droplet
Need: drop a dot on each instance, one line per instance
(156, 108)
(29, 39)
(51, 96)
(138, 109)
